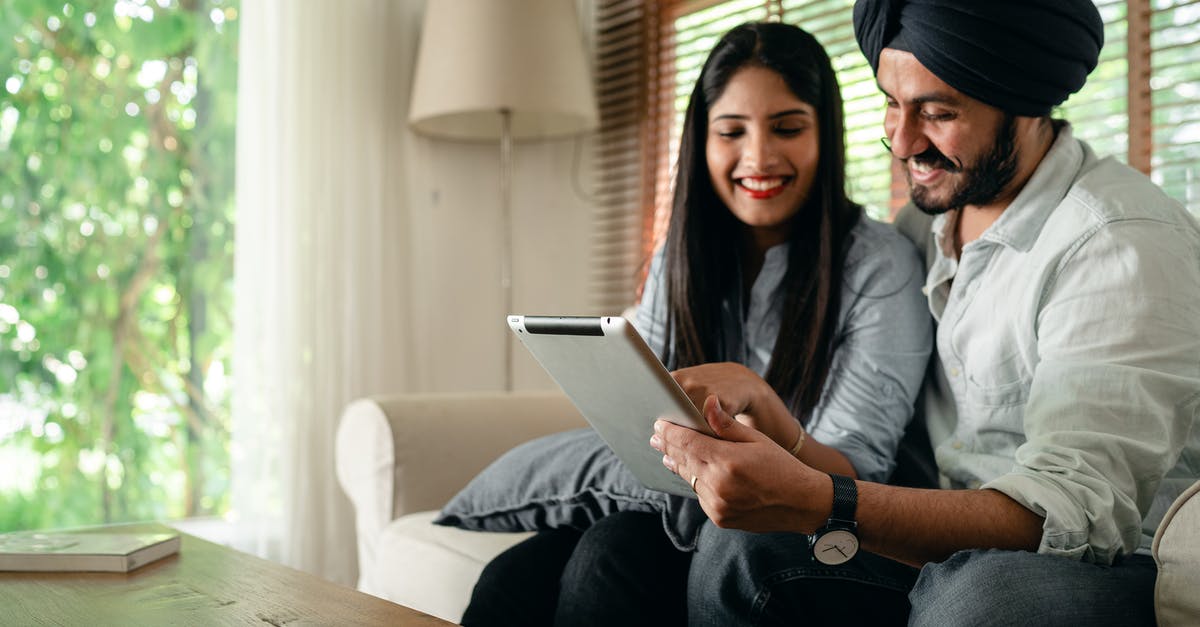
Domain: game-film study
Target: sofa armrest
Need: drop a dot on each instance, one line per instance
(401, 454)
(1178, 557)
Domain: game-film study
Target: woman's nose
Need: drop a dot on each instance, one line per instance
(760, 151)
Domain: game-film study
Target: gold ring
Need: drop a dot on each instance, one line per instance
(694, 479)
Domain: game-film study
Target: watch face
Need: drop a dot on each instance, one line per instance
(834, 547)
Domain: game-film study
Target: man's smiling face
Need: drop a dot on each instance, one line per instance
(957, 151)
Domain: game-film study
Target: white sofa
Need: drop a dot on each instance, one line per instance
(401, 458)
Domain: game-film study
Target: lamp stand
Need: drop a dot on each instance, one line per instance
(506, 218)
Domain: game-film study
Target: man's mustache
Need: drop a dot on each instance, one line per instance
(933, 158)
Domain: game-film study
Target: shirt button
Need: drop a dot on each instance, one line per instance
(957, 444)
(975, 485)
(954, 372)
(925, 290)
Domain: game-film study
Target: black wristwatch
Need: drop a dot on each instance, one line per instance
(837, 542)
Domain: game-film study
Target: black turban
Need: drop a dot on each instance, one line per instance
(1021, 56)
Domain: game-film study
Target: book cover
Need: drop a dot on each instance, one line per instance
(96, 551)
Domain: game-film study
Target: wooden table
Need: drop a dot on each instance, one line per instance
(204, 584)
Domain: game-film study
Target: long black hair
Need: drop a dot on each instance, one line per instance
(699, 274)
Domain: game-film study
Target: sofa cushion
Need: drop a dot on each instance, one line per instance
(429, 567)
(1177, 553)
(568, 479)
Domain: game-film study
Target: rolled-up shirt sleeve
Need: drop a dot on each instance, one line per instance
(1115, 391)
(880, 355)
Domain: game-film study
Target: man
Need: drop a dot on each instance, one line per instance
(1067, 294)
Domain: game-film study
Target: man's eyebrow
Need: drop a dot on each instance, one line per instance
(934, 97)
(773, 116)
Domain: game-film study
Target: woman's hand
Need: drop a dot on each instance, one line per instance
(744, 480)
(743, 394)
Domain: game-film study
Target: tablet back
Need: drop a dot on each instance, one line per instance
(617, 383)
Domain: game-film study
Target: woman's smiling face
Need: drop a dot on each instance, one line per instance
(762, 152)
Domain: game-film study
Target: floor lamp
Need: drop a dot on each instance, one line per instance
(502, 71)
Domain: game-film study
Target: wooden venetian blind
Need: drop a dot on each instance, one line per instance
(648, 55)
(1141, 103)
(868, 165)
(622, 157)
(1174, 86)
(1100, 112)
(688, 32)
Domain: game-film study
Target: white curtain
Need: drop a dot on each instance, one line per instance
(321, 272)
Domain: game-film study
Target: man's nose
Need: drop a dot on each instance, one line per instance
(905, 135)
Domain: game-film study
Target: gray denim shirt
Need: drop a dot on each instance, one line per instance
(881, 343)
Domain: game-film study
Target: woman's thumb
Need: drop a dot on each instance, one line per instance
(724, 425)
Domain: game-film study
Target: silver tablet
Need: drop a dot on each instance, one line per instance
(617, 383)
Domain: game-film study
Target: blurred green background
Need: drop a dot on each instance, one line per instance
(116, 252)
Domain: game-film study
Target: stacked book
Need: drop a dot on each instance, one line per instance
(97, 551)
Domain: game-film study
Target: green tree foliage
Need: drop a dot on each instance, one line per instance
(116, 253)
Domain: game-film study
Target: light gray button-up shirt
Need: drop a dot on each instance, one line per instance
(881, 343)
(1068, 346)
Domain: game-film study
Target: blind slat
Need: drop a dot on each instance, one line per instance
(662, 46)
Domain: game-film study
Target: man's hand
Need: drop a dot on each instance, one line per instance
(743, 479)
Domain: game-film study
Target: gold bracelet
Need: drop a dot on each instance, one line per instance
(795, 450)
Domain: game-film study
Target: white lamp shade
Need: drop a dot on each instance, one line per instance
(479, 57)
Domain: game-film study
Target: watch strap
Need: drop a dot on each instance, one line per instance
(845, 498)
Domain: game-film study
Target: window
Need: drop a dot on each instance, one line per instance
(1142, 104)
(625, 57)
(116, 206)
(1173, 78)
(685, 45)
(868, 168)
(1099, 111)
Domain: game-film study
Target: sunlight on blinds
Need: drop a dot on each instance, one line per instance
(649, 55)
(688, 43)
(622, 176)
(868, 165)
(1099, 112)
(1175, 94)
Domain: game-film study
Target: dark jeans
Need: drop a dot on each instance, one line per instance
(624, 571)
(742, 578)
(999, 588)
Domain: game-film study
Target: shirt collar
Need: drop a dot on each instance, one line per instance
(776, 258)
(770, 276)
(775, 265)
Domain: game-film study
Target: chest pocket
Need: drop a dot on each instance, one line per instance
(992, 361)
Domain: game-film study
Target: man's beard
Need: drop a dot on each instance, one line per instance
(982, 183)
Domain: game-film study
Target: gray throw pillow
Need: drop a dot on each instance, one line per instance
(569, 479)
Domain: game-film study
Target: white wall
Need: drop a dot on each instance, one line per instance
(455, 239)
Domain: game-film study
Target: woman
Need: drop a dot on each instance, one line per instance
(776, 296)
